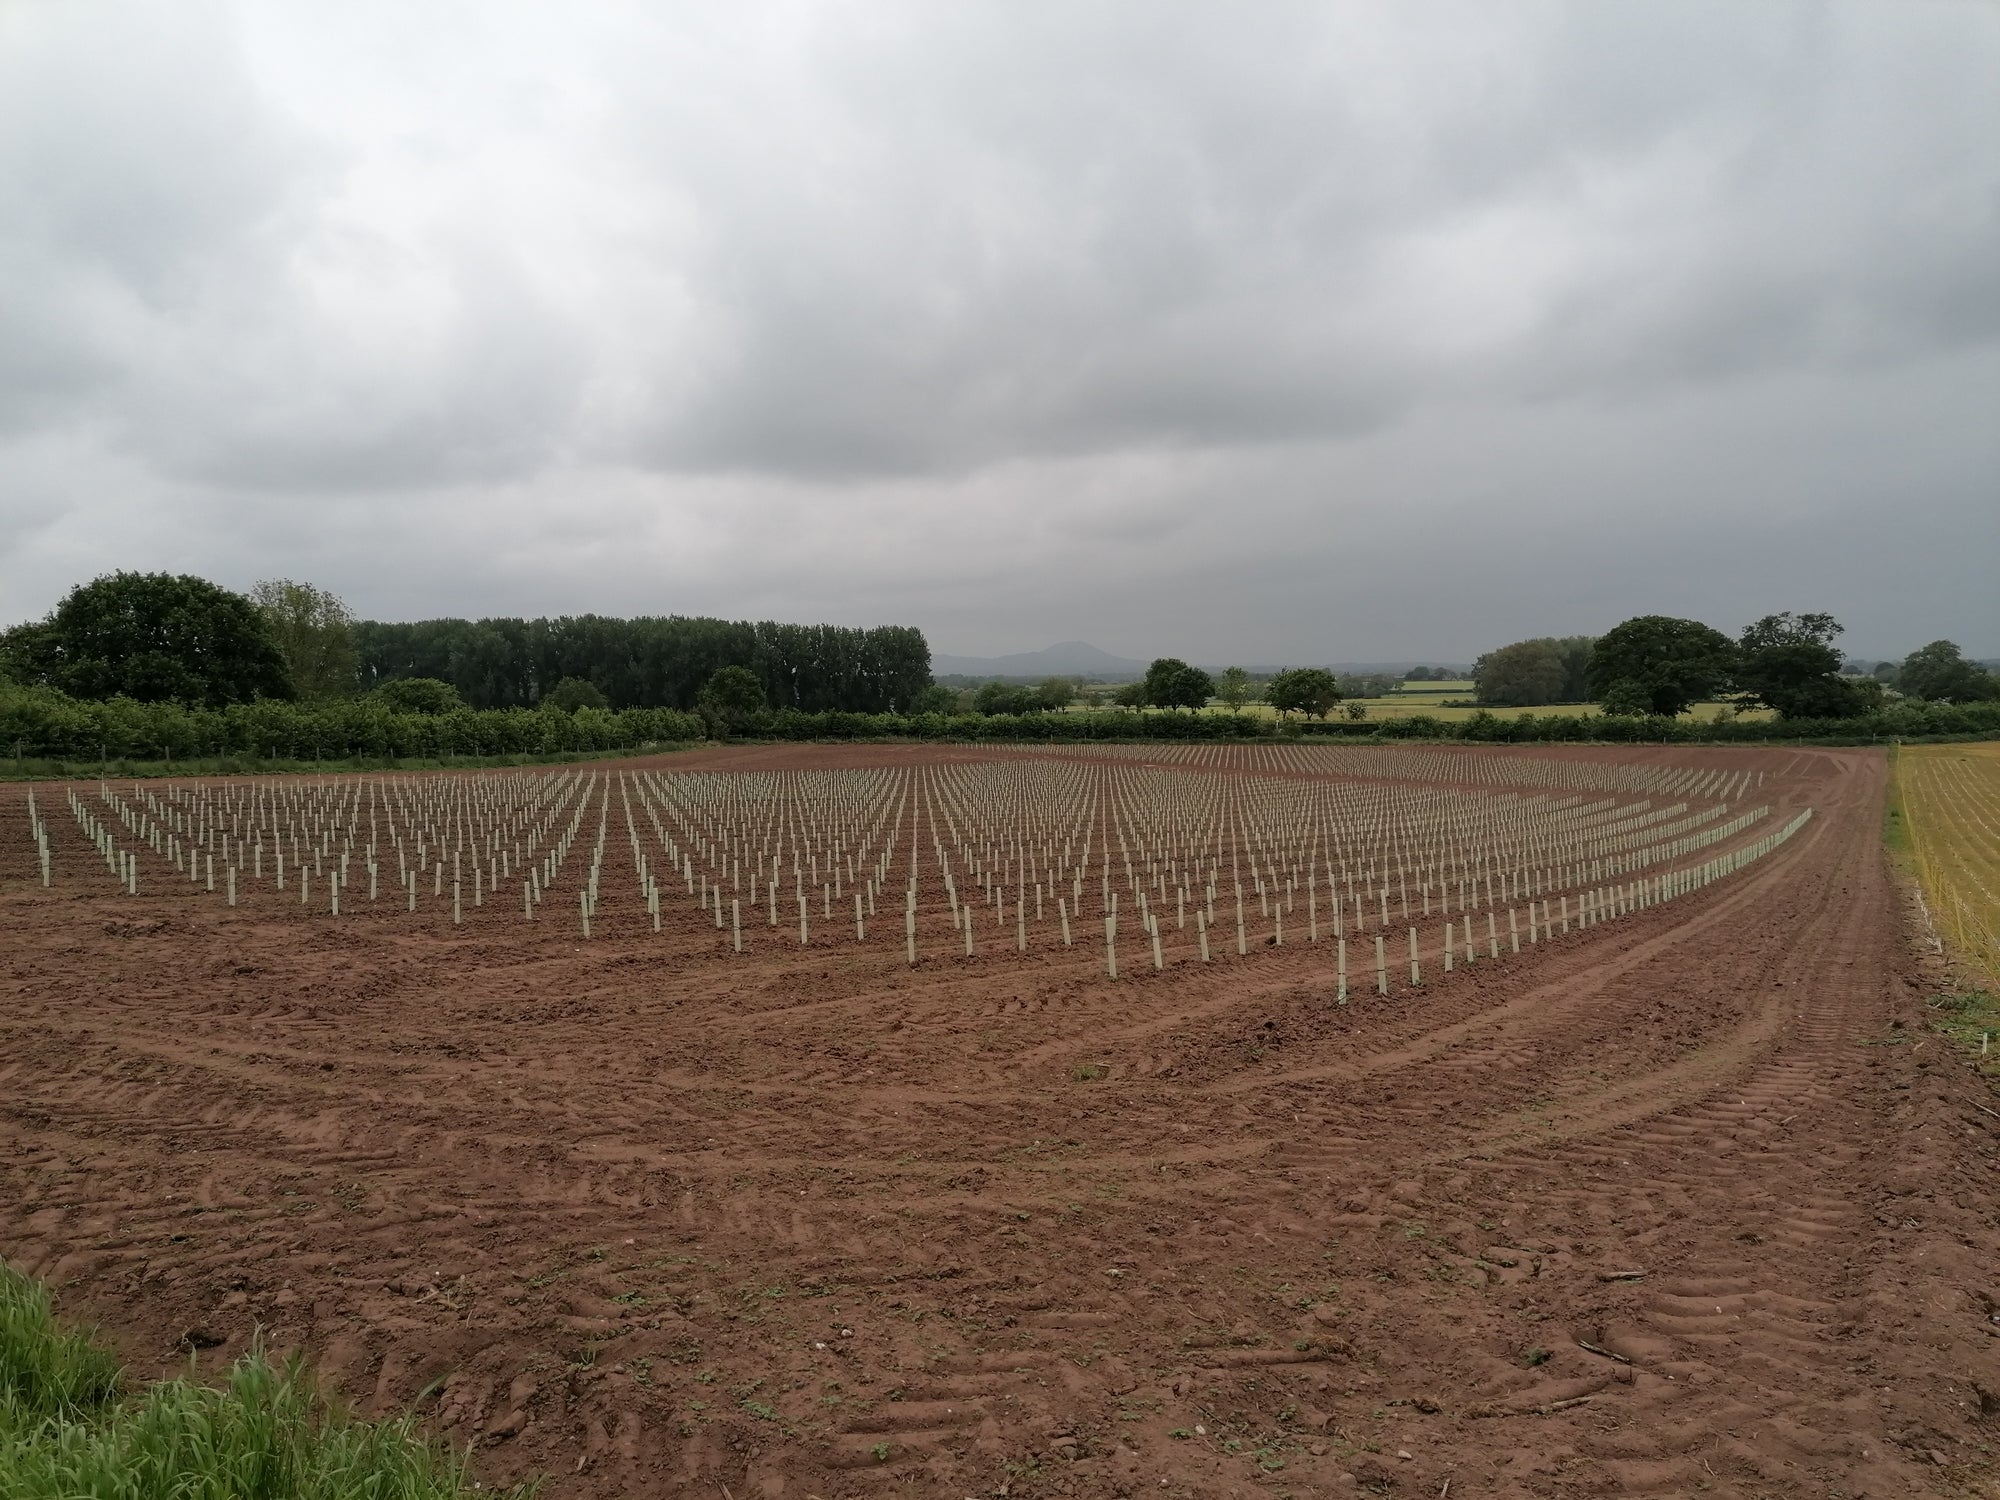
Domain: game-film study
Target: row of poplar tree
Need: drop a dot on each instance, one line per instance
(156, 637)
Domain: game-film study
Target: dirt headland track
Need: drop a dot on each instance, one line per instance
(819, 1224)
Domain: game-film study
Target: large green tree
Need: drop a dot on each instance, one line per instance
(1172, 683)
(573, 693)
(1056, 693)
(1006, 698)
(1233, 687)
(1660, 665)
(1532, 673)
(1526, 674)
(418, 695)
(28, 653)
(156, 637)
(729, 697)
(733, 695)
(315, 631)
(1305, 690)
(1575, 653)
(1939, 672)
(1787, 662)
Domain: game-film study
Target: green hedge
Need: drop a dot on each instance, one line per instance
(1903, 721)
(45, 724)
(42, 722)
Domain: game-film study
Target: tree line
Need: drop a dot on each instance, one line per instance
(45, 724)
(1168, 683)
(1651, 666)
(1658, 665)
(160, 638)
(650, 661)
(153, 665)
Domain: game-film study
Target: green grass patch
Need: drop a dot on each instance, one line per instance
(1970, 1020)
(70, 1428)
(47, 1374)
(1895, 816)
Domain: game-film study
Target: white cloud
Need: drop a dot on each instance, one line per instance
(1310, 330)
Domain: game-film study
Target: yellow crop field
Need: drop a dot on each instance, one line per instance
(1950, 800)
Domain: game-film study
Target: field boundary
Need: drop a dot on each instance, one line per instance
(1966, 1009)
(1831, 742)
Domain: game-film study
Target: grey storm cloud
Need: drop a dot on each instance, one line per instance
(1324, 331)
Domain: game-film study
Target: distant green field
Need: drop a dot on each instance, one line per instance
(1446, 688)
(1430, 698)
(1400, 707)
(1419, 698)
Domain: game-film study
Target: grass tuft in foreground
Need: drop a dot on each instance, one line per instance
(67, 1429)
(46, 1373)
(1971, 1019)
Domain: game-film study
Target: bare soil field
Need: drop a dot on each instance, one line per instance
(1691, 1202)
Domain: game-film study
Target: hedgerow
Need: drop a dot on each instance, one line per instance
(42, 722)
(37, 722)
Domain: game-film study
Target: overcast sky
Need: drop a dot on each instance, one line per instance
(1239, 332)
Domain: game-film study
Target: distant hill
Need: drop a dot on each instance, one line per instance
(1064, 659)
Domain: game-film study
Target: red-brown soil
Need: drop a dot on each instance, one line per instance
(816, 1223)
